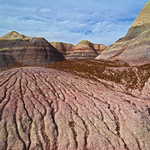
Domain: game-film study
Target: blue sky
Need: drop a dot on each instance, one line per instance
(70, 21)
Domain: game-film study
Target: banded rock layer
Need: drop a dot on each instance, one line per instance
(135, 46)
(47, 109)
(65, 48)
(29, 51)
(83, 50)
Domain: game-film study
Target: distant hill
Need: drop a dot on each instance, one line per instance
(83, 50)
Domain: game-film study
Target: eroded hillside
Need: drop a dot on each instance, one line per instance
(43, 108)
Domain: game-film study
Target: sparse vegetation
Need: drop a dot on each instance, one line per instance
(16, 64)
(116, 71)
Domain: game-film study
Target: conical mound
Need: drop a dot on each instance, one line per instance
(83, 50)
(85, 42)
(135, 46)
(29, 51)
(14, 36)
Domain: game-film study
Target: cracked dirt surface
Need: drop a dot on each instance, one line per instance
(48, 109)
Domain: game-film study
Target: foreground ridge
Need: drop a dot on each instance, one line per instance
(43, 108)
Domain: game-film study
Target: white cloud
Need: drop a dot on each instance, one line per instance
(70, 20)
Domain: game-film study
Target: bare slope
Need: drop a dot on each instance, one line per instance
(135, 46)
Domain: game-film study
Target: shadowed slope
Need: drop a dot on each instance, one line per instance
(5, 61)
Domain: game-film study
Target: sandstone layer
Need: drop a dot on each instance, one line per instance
(42, 108)
(29, 51)
(65, 48)
(134, 47)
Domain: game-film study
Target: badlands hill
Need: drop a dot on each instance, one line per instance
(99, 48)
(83, 50)
(134, 47)
(27, 50)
